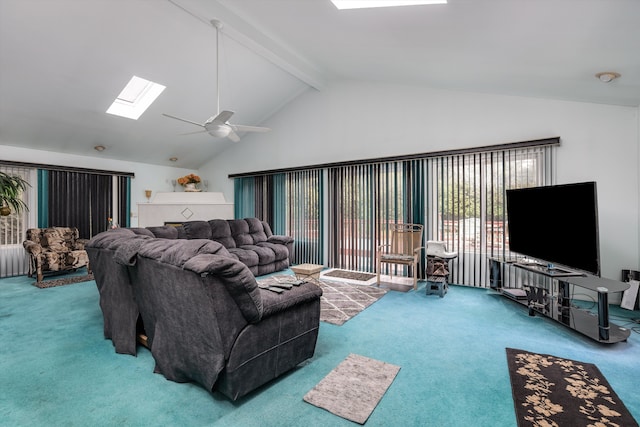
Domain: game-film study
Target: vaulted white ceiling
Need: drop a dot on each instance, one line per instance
(62, 62)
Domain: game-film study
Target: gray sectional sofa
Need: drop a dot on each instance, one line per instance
(205, 317)
(249, 240)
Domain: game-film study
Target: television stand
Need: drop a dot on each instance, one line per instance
(552, 298)
(547, 271)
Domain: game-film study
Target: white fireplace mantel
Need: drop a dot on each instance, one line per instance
(176, 207)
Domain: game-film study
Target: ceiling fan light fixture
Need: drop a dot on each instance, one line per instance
(218, 125)
(607, 76)
(218, 131)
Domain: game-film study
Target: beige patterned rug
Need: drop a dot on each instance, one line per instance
(340, 301)
(550, 391)
(354, 388)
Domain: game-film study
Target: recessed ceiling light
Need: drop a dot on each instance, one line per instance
(607, 76)
(173, 159)
(365, 4)
(135, 98)
(99, 148)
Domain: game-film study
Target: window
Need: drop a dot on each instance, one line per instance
(83, 200)
(459, 197)
(363, 201)
(468, 194)
(13, 259)
(135, 98)
(303, 212)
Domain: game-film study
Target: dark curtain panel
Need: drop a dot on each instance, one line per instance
(304, 192)
(80, 200)
(264, 198)
(124, 190)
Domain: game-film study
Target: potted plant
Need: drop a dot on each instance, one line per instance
(11, 188)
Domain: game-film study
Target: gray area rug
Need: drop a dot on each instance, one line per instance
(340, 301)
(64, 281)
(357, 276)
(354, 388)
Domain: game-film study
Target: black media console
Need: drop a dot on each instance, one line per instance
(552, 297)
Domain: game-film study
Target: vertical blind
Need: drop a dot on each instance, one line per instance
(85, 201)
(304, 215)
(13, 259)
(291, 203)
(468, 192)
(460, 198)
(364, 201)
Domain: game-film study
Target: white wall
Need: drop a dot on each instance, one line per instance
(147, 177)
(358, 120)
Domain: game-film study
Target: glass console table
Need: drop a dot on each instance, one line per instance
(552, 297)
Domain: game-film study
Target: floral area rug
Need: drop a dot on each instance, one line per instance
(551, 391)
(340, 301)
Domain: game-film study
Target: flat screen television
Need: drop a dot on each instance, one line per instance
(556, 224)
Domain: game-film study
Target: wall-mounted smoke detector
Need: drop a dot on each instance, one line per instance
(607, 76)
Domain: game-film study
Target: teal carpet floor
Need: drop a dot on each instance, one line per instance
(56, 368)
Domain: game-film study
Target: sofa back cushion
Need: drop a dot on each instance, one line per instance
(240, 232)
(141, 231)
(163, 232)
(197, 230)
(221, 232)
(60, 239)
(257, 231)
(177, 252)
(248, 231)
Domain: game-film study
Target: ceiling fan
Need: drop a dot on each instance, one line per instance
(218, 126)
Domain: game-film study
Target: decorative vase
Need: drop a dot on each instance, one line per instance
(5, 211)
(190, 187)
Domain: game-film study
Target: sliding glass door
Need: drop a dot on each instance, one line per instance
(460, 198)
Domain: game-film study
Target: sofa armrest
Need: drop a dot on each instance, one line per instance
(237, 279)
(282, 240)
(32, 248)
(80, 244)
(275, 303)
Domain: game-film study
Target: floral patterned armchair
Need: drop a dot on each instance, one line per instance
(55, 249)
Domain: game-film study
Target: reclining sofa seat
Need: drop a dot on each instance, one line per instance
(248, 239)
(205, 317)
(117, 301)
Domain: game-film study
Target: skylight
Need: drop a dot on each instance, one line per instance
(135, 98)
(364, 4)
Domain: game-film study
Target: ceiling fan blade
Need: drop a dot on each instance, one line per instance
(223, 117)
(193, 133)
(233, 136)
(182, 120)
(243, 128)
